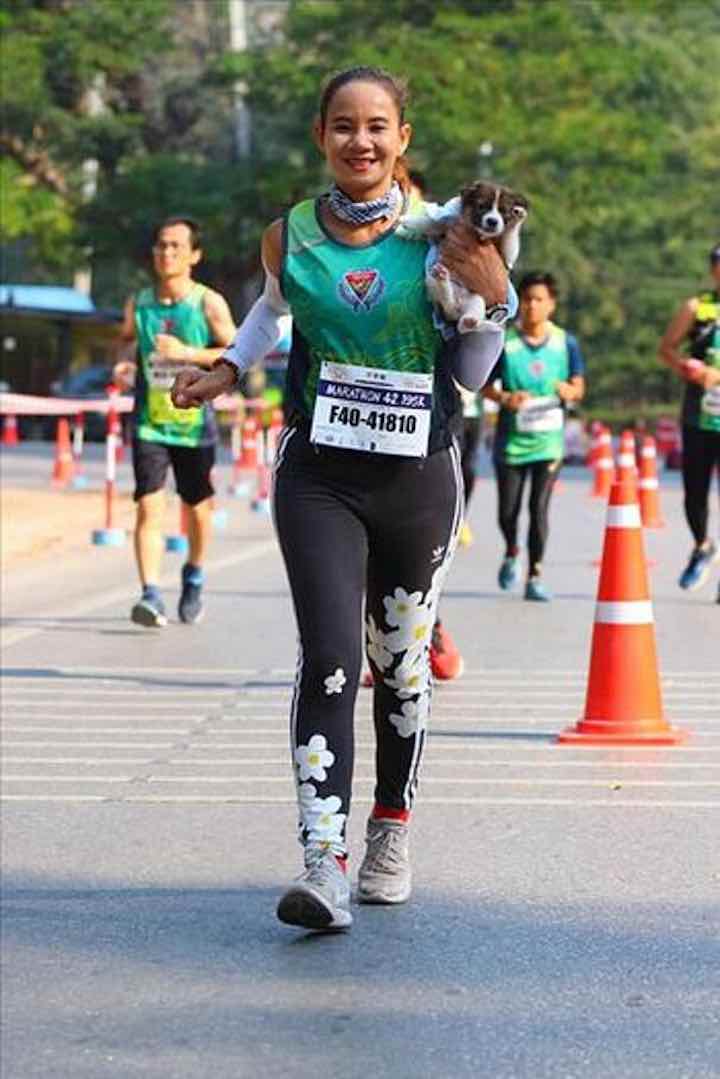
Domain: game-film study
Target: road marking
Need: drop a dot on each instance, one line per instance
(127, 593)
(205, 799)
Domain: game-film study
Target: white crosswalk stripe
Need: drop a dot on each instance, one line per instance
(179, 735)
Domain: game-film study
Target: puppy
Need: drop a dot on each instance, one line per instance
(483, 213)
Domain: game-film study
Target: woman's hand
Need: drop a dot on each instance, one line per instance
(123, 374)
(566, 391)
(193, 387)
(478, 266)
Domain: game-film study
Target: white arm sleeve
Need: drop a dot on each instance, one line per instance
(261, 329)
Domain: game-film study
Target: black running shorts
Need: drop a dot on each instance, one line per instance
(191, 468)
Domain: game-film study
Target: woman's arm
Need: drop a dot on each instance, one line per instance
(257, 335)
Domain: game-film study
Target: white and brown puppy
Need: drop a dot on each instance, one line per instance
(483, 213)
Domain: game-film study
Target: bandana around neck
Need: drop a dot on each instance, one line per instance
(362, 213)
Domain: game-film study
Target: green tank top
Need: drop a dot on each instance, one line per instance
(708, 314)
(535, 433)
(157, 419)
(358, 305)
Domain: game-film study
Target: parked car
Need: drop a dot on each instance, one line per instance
(89, 383)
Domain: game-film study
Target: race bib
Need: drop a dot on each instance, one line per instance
(711, 402)
(370, 409)
(539, 416)
(160, 407)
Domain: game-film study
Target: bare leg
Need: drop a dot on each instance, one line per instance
(199, 519)
(149, 536)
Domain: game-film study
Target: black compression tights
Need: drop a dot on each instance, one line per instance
(510, 485)
(354, 525)
(701, 453)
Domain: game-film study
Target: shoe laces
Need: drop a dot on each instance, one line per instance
(321, 867)
(386, 849)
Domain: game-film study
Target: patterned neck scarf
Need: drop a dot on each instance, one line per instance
(362, 213)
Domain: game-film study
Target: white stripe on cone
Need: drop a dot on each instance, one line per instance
(648, 485)
(624, 516)
(637, 612)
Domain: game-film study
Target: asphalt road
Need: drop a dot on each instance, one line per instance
(566, 911)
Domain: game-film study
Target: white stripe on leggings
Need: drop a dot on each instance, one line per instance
(455, 459)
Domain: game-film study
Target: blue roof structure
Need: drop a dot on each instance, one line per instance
(56, 298)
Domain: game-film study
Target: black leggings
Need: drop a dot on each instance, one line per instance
(510, 485)
(472, 429)
(701, 453)
(354, 525)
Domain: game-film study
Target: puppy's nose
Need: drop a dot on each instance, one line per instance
(491, 222)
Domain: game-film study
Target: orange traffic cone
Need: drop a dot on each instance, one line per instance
(623, 705)
(603, 465)
(627, 463)
(64, 466)
(648, 487)
(10, 435)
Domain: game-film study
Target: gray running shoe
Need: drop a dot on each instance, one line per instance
(320, 897)
(149, 611)
(385, 875)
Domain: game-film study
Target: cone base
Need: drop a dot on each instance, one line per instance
(667, 736)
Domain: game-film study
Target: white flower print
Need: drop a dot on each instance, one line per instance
(334, 683)
(401, 606)
(413, 717)
(411, 676)
(320, 816)
(413, 632)
(377, 650)
(314, 758)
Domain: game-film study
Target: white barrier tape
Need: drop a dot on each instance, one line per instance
(636, 612)
(24, 404)
(624, 516)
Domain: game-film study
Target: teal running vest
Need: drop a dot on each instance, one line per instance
(359, 305)
(701, 408)
(534, 369)
(157, 419)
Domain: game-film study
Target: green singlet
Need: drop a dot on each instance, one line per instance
(535, 433)
(363, 305)
(157, 418)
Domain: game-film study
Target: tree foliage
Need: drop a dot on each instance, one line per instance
(606, 114)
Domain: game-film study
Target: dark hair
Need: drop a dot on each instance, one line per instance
(417, 178)
(539, 277)
(715, 255)
(181, 219)
(396, 88)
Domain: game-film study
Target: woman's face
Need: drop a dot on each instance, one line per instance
(362, 139)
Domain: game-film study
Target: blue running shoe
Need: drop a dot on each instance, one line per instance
(535, 590)
(149, 610)
(509, 572)
(190, 607)
(697, 570)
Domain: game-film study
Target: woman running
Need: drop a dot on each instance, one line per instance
(368, 495)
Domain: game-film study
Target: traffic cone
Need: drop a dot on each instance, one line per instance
(604, 467)
(648, 486)
(64, 466)
(623, 705)
(627, 462)
(10, 436)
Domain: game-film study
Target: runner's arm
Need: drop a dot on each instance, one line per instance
(679, 328)
(257, 335)
(222, 328)
(123, 348)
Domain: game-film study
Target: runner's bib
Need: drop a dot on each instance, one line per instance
(160, 380)
(540, 415)
(711, 401)
(372, 409)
